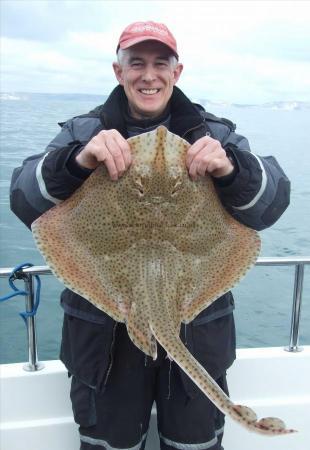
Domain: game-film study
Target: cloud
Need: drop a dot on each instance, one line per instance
(48, 69)
(236, 51)
(50, 21)
(236, 77)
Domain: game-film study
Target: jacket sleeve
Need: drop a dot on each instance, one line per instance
(46, 179)
(260, 192)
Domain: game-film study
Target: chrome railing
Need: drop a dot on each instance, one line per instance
(28, 273)
(299, 263)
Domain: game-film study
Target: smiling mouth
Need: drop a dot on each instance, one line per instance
(149, 91)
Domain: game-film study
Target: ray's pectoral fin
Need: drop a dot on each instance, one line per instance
(139, 331)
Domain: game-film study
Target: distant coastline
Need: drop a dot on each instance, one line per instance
(276, 105)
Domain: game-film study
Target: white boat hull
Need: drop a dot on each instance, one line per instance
(36, 411)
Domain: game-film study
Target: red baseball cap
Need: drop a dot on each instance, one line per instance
(147, 31)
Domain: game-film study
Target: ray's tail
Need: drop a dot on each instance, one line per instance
(160, 275)
(242, 414)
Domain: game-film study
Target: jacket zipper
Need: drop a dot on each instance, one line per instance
(111, 355)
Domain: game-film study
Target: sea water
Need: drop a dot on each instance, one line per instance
(264, 296)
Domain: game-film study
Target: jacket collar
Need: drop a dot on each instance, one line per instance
(185, 115)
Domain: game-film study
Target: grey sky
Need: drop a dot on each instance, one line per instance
(234, 51)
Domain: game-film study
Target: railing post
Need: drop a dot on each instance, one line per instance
(33, 363)
(296, 309)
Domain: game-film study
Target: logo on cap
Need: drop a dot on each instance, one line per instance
(152, 28)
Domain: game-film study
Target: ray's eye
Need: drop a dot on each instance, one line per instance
(176, 188)
(139, 187)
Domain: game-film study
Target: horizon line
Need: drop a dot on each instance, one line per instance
(215, 102)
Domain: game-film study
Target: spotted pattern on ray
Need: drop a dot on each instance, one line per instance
(153, 250)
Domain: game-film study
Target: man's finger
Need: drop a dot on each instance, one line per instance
(193, 170)
(205, 143)
(120, 143)
(193, 151)
(109, 162)
(209, 165)
(116, 152)
(126, 150)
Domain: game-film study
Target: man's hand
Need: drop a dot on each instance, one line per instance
(207, 155)
(107, 147)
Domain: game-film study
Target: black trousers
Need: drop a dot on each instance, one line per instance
(118, 416)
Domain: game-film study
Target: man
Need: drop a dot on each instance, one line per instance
(113, 383)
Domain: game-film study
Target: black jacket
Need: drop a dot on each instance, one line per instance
(256, 196)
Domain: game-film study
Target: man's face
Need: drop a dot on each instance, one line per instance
(148, 77)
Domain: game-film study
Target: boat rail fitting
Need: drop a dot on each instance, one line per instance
(296, 309)
(33, 363)
(28, 273)
(299, 262)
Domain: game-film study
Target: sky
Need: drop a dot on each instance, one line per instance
(233, 51)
